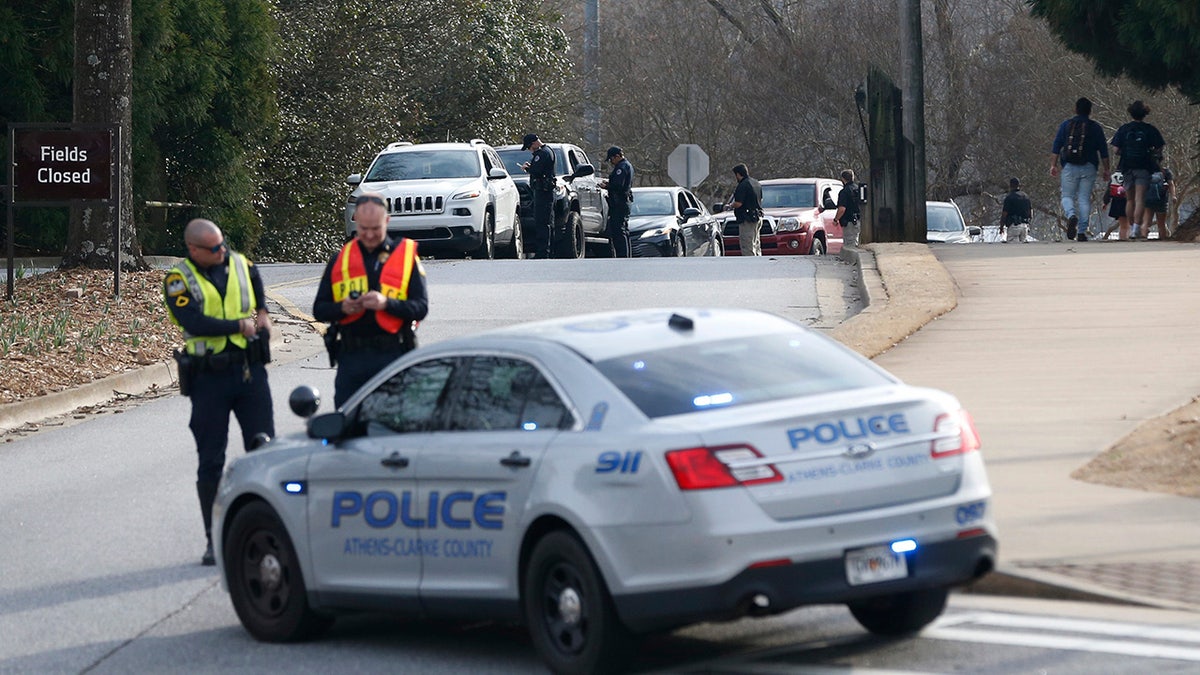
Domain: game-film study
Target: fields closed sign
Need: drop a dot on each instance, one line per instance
(61, 166)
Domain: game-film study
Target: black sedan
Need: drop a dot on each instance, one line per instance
(670, 222)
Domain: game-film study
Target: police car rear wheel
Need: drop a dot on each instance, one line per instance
(900, 614)
(264, 578)
(570, 615)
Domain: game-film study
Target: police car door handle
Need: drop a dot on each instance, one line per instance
(394, 461)
(516, 459)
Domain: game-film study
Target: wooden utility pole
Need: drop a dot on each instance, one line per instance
(912, 85)
(104, 236)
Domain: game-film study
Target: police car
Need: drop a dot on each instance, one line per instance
(603, 476)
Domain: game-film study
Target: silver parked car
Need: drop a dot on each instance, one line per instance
(944, 224)
(607, 475)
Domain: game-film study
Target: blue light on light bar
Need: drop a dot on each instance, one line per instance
(294, 487)
(639, 365)
(712, 399)
(904, 546)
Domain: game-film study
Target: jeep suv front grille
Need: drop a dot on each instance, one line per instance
(415, 205)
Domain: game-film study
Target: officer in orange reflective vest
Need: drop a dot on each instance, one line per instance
(373, 293)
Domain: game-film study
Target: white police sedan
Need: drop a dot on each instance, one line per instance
(609, 475)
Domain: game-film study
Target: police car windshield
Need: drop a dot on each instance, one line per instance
(794, 196)
(659, 203)
(743, 371)
(422, 164)
(942, 219)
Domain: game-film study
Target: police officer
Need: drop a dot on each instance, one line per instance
(620, 193)
(216, 296)
(540, 168)
(1017, 212)
(372, 293)
(747, 211)
(848, 209)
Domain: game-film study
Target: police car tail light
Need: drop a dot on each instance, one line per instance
(966, 440)
(708, 468)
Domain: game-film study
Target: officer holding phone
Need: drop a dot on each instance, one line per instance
(373, 295)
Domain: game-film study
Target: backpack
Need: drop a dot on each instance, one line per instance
(1072, 152)
(1135, 151)
(1156, 193)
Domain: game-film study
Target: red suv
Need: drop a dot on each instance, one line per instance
(798, 218)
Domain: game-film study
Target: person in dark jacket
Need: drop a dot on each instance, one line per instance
(620, 193)
(540, 168)
(216, 296)
(1016, 213)
(747, 210)
(372, 295)
(848, 209)
(1078, 150)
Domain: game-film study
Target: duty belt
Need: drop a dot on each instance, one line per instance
(371, 343)
(227, 359)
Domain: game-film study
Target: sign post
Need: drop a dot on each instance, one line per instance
(687, 165)
(62, 165)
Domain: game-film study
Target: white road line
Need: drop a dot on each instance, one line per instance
(1044, 623)
(1102, 645)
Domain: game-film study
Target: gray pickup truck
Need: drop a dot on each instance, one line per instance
(580, 204)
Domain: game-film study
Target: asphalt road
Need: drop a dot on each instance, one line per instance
(100, 535)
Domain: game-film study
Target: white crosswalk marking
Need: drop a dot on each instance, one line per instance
(1142, 640)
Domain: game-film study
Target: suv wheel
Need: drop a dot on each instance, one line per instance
(516, 248)
(818, 246)
(487, 247)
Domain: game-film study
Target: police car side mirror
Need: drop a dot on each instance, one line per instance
(975, 231)
(329, 427)
(691, 212)
(584, 170)
(497, 173)
(304, 401)
(718, 207)
(354, 179)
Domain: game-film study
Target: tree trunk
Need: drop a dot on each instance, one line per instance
(103, 93)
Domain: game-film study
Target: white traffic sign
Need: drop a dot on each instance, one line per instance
(687, 165)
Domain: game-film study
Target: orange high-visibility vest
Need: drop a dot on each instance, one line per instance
(350, 274)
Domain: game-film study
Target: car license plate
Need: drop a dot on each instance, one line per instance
(874, 564)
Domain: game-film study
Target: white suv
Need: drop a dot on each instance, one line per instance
(452, 198)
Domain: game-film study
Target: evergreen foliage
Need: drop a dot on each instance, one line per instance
(1154, 42)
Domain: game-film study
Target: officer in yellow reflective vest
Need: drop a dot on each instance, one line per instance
(216, 296)
(372, 294)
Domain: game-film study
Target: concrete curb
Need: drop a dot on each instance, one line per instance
(1021, 582)
(133, 382)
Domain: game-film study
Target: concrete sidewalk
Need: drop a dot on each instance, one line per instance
(1058, 351)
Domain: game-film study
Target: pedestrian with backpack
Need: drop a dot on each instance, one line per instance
(1138, 145)
(1079, 150)
(1158, 198)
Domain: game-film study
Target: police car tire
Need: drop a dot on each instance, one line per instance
(272, 614)
(598, 642)
(900, 614)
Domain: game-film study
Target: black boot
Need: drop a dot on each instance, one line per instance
(207, 493)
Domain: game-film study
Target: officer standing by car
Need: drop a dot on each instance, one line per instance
(848, 209)
(216, 296)
(372, 294)
(541, 183)
(747, 210)
(620, 193)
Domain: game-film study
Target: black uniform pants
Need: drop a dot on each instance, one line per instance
(356, 367)
(215, 394)
(543, 220)
(618, 227)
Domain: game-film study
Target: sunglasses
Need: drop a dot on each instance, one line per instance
(211, 249)
(372, 199)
